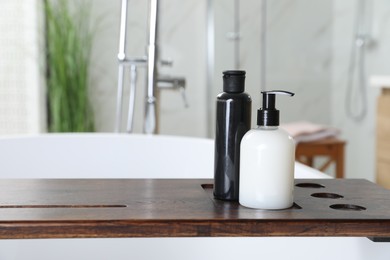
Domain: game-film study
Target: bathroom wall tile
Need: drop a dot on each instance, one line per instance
(298, 56)
(182, 38)
(250, 50)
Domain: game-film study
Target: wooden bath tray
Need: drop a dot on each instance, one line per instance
(88, 208)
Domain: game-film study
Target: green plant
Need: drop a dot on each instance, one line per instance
(68, 48)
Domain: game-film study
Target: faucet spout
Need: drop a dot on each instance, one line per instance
(174, 83)
(168, 82)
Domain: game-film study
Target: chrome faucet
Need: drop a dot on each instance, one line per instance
(150, 124)
(124, 61)
(154, 81)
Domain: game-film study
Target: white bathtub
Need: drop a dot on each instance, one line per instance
(139, 156)
(112, 156)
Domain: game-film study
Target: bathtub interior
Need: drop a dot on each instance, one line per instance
(113, 156)
(139, 156)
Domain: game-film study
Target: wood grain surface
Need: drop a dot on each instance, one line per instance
(88, 208)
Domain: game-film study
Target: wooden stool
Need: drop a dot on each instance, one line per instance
(332, 148)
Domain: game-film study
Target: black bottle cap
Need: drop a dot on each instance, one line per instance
(268, 115)
(234, 81)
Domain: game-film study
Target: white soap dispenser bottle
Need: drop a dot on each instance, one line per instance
(267, 160)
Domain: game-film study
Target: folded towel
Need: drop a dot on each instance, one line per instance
(307, 131)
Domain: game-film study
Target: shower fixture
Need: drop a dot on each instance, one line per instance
(154, 81)
(356, 93)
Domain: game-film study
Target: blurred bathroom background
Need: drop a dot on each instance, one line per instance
(310, 47)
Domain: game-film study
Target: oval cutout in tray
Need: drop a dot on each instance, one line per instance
(348, 207)
(327, 195)
(310, 185)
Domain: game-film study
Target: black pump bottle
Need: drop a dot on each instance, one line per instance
(233, 121)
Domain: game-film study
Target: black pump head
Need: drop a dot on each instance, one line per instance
(268, 115)
(234, 81)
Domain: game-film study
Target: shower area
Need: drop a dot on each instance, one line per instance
(324, 51)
